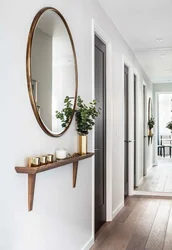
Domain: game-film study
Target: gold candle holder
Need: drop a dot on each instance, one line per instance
(43, 159)
(50, 158)
(34, 161)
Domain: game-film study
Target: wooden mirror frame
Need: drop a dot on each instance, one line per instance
(28, 70)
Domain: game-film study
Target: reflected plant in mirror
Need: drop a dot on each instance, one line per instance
(169, 126)
(151, 123)
(66, 114)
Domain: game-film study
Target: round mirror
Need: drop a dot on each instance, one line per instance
(149, 109)
(51, 69)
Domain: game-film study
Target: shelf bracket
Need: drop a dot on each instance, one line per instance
(75, 171)
(31, 190)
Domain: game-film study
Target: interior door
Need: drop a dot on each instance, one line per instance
(135, 124)
(126, 139)
(100, 134)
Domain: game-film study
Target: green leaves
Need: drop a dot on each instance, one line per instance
(66, 114)
(85, 116)
(169, 125)
(151, 122)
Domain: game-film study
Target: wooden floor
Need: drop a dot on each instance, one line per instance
(159, 178)
(144, 223)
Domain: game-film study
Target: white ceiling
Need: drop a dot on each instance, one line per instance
(141, 23)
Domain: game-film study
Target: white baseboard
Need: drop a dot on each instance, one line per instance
(117, 210)
(141, 181)
(149, 168)
(147, 193)
(88, 244)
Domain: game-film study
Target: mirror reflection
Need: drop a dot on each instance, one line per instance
(150, 109)
(53, 71)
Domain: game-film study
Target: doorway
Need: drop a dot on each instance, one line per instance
(100, 134)
(126, 140)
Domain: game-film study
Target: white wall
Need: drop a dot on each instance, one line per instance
(62, 216)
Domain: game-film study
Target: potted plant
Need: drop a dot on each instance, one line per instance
(85, 117)
(169, 126)
(151, 123)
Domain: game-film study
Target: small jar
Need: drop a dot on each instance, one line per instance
(35, 161)
(43, 159)
(50, 158)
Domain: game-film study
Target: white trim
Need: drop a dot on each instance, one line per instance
(141, 181)
(155, 106)
(100, 33)
(126, 62)
(144, 84)
(117, 210)
(164, 194)
(89, 244)
(149, 168)
(139, 143)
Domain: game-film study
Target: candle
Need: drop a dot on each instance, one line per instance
(49, 158)
(35, 161)
(61, 153)
(43, 160)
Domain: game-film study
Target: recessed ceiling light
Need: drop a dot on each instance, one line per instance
(159, 39)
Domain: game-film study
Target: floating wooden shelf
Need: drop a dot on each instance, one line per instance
(33, 171)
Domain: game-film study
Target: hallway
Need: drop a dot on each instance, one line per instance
(159, 178)
(144, 223)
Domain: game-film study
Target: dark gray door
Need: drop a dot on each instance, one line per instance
(100, 134)
(135, 120)
(126, 139)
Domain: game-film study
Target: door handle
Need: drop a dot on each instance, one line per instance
(96, 149)
(128, 141)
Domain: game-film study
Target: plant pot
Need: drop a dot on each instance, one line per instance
(150, 132)
(82, 145)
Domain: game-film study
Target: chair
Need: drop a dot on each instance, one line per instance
(166, 143)
(161, 150)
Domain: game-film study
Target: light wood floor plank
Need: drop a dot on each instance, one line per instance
(157, 235)
(159, 178)
(142, 231)
(168, 237)
(147, 225)
(121, 233)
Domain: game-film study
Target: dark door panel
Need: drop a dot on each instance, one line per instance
(126, 139)
(135, 82)
(100, 134)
